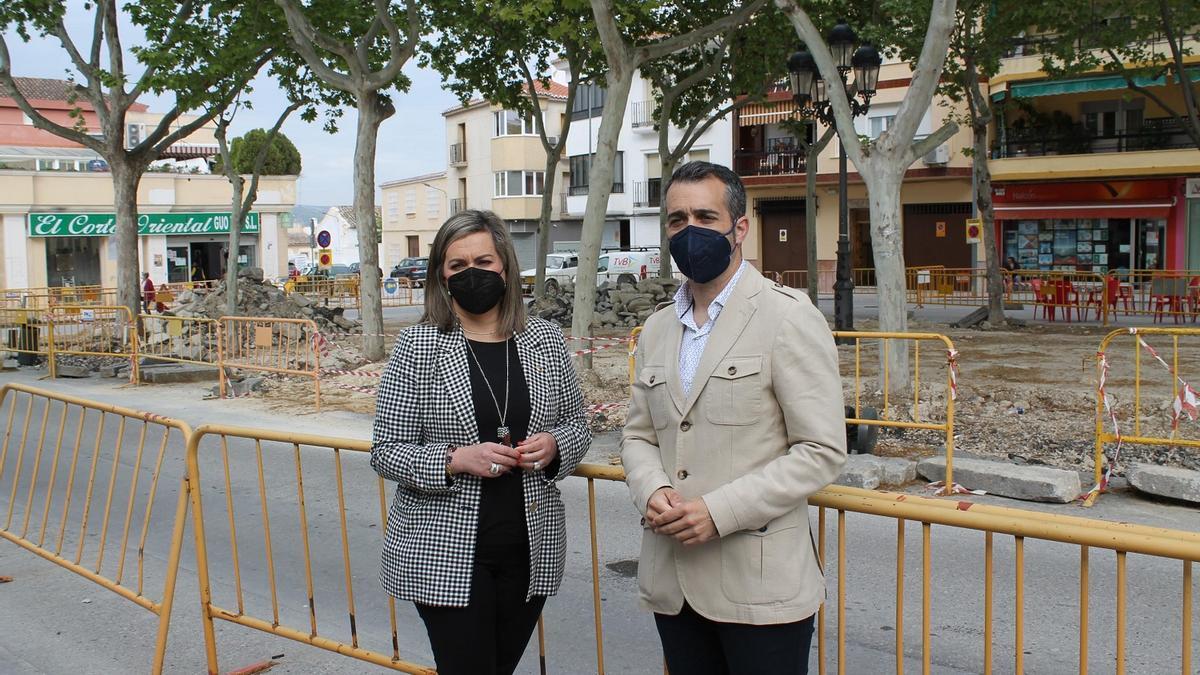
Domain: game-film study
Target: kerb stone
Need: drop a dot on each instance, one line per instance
(1166, 481)
(1030, 483)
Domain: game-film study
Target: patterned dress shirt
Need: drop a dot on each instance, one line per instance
(695, 338)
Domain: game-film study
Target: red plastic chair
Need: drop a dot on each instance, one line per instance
(1118, 292)
(1043, 298)
(1194, 297)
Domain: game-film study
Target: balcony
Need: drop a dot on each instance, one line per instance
(1153, 134)
(647, 194)
(458, 204)
(642, 115)
(579, 190)
(458, 154)
(767, 163)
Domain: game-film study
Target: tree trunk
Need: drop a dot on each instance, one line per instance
(983, 198)
(372, 111)
(544, 221)
(810, 221)
(125, 186)
(887, 241)
(665, 267)
(600, 178)
(236, 214)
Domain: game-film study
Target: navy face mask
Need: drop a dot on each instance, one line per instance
(701, 254)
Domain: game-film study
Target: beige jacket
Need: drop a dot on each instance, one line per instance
(762, 430)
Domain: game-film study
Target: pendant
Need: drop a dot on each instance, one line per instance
(505, 435)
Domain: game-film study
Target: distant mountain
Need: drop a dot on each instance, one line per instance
(301, 214)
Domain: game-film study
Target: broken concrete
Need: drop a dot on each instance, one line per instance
(870, 471)
(1166, 481)
(72, 371)
(1030, 483)
(178, 374)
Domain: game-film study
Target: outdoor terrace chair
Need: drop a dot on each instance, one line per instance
(1167, 296)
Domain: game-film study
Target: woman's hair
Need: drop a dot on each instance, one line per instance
(438, 311)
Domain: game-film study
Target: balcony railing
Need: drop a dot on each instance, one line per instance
(458, 154)
(642, 114)
(457, 205)
(1154, 134)
(578, 190)
(648, 193)
(760, 163)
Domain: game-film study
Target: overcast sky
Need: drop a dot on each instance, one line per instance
(410, 143)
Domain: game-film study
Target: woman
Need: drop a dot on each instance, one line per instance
(1010, 266)
(479, 415)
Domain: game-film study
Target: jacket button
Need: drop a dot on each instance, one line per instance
(643, 521)
(733, 370)
(683, 474)
(651, 379)
(685, 425)
(763, 528)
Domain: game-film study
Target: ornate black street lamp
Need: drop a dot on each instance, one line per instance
(809, 94)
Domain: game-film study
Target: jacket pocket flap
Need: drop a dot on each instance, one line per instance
(738, 367)
(652, 376)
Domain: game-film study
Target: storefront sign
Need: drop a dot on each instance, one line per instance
(1191, 188)
(105, 224)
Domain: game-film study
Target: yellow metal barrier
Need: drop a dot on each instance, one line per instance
(1160, 379)
(44, 477)
(1166, 296)
(337, 292)
(106, 331)
(922, 413)
(290, 450)
(181, 340)
(863, 278)
(403, 296)
(270, 345)
(24, 331)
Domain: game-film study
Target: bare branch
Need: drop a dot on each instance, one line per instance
(90, 70)
(60, 32)
(919, 148)
(261, 160)
(306, 40)
(400, 51)
(116, 56)
(925, 79)
(363, 48)
(676, 43)
(616, 52)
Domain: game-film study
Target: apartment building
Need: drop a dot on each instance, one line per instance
(1089, 175)
(57, 213)
(413, 210)
(935, 196)
(633, 208)
(496, 161)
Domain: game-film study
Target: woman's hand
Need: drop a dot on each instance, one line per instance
(537, 451)
(477, 460)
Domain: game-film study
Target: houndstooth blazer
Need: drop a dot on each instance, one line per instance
(424, 406)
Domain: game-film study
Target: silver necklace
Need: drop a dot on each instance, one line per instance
(502, 431)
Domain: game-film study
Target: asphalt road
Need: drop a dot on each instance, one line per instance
(54, 621)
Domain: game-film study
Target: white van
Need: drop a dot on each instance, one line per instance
(628, 267)
(560, 269)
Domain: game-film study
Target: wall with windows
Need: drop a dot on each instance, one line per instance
(421, 205)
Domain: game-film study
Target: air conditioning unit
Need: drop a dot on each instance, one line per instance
(939, 156)
(552, 140)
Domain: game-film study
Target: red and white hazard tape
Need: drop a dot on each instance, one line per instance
(602, 407)
(1186, 401)
(1102, 389)
(952, 360)
(593, 350)
(370, 391)
(956, 489)
(355, 373)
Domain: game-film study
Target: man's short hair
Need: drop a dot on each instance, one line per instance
(735, 191)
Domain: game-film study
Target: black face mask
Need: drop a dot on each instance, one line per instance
(476, 290)
(701, 254)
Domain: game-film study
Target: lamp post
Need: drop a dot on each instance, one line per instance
(809, 94)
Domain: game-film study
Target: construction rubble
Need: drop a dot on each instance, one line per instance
(617, 305)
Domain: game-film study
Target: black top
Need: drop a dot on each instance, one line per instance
(502, 533)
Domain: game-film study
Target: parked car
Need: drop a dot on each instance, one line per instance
(560, 268)
(413, 269)
(334, 271)
(356, 268)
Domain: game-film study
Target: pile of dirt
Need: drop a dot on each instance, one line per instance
(617, 306)
(256, 297)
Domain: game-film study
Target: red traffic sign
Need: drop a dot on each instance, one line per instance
(323, 238)
(325, 258)
(974, 230)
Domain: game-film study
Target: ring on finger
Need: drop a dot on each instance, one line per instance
(537, 465)
(494, 469)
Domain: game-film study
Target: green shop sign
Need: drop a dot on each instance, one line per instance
(105, 224)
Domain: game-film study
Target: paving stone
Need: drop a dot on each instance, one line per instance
(1030, 483)
(1166, 481)
(860, 471)
(177, 374)
(72, 372)
(895, 470)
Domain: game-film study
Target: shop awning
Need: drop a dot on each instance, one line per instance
(1130, 209)
(1083, 85)
(189, 151)
(766, 113)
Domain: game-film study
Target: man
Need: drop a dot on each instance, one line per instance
(147, 292)
(736, 419)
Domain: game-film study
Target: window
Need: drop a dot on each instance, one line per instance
(589, 101)
(433, 202)
(880, 124)
(512, 123)
(410, 201)
(519, 183)
(581, 166)
(393, 205)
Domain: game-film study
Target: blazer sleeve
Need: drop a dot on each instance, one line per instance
(570, 430)
(640, 453)
(808, 388)
(398, 452)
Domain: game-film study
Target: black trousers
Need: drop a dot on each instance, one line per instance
(694, 645)
(489, 635)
